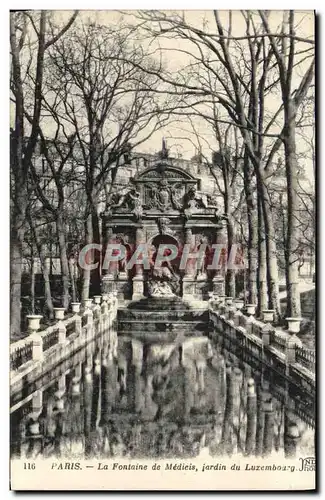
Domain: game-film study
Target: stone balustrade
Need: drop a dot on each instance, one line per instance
(277, 348)
(51, 345)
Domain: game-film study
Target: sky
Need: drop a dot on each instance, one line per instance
(179, 135)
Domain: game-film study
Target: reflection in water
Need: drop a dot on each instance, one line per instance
(150, 401)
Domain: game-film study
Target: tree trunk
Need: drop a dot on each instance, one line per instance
(73, 281)
(45, 271)
(230, 275)
(47, 282)
(63, 261)
(96, 275)
(16, 258)
(32, 284)
(230, 281)
(271, 252)
(86, 272)
(252, 233)
(292, 240)
(261, 277)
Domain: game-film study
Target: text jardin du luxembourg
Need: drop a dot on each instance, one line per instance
(172, 466)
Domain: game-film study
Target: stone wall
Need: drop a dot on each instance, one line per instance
(307, 300)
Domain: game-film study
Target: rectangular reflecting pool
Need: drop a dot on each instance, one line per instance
(161, 400)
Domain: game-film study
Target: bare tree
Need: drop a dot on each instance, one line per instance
(23, 144)
(107, 103)
(245, 69)
(292, 97)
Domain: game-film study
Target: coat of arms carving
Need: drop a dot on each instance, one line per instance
(165, 196)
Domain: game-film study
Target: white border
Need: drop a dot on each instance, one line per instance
(4, 169)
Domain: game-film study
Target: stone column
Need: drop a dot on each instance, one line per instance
(138, 287)
(108, 278)
(218, 281)
(188, 279)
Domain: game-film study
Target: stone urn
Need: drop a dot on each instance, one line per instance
(239, 304)
(251, 387)
(76, 386)
(268, 315)
(75, 307)
(34, 428)
(87, 303)
(59, 404)
(97, 299)
(59, 313)
(222, 299)
(228, 301)
(34, 322)
(250, 309)
(294, 324)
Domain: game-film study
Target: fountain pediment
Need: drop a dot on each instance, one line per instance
(162, 201)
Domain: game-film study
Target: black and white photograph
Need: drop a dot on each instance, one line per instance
(162, 250)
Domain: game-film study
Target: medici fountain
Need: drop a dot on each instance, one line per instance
(163, 206)
(168, 386)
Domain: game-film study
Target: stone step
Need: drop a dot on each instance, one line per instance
(162, 326)
(163, 316)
